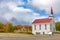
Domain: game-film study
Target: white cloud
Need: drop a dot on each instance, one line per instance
(19, 13)
(46, 4)
(43, 17)
(8, 16)
(57, 19)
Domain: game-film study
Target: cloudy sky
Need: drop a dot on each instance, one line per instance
(25, 11)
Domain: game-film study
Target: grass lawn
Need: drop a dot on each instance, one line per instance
(23, 32)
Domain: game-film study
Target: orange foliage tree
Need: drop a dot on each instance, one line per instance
(30, 28)
(19, 27)
(26, 27)
(4, 27)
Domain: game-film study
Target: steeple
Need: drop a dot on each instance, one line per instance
(51, 13)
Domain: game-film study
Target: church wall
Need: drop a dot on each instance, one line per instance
(42, 28)
(53, 26)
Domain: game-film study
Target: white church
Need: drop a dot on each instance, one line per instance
(44, 25)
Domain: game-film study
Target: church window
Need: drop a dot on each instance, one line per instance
(50, 26)
(45, 27)
(40, 27)
(35, 27)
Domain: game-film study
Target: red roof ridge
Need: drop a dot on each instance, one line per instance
(43, 20)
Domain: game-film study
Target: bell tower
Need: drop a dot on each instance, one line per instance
(51, 14)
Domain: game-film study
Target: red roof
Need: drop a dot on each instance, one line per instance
(41, 20)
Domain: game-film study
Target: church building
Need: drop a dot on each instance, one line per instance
(44, 25)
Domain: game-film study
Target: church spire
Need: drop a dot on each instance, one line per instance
(51, 13)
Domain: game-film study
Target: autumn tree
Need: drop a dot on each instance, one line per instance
(19, 27)
(57, 25)
(4, 27)
(1, 25)
(14, 27)
(9, 27)
(26, 27)
(30, 28)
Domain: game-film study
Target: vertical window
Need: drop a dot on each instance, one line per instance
(40, 27)
(35, 27)
(45, 27)
(50, 26)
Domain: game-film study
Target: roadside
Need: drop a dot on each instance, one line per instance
(19, 36)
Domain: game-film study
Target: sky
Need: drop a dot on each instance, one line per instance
(25, 11)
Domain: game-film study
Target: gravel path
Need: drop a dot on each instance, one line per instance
(12, 36)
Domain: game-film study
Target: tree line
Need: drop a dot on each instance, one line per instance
(8, 27)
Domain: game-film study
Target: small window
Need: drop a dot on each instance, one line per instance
(45, 27)
(35, 27)
(40, 27)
